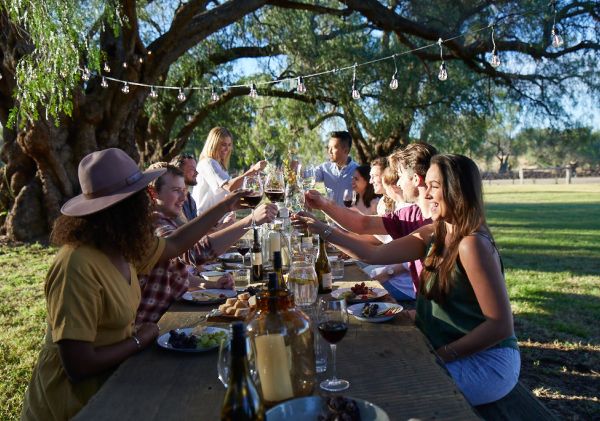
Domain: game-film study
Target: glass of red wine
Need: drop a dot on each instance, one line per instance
(275, 186)
(333, 325)
(243, 247)
(349, 197)
(254, 185)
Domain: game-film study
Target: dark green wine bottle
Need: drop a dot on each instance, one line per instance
(242, 401)
(278, 269)
(323, 269)
(257, 265)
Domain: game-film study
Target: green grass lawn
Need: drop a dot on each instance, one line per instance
(549, 238)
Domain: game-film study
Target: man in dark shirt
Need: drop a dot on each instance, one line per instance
(187, 164)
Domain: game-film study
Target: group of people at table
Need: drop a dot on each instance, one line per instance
(428, 231)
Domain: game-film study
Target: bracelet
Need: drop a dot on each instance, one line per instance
(327, 232)
(137, 341)
(451, 351)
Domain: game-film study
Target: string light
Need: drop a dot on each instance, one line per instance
(355, 93)
(253, 92)
(86, 74)
(557, 40)
(394, 81)
(106, 68)
(124, 64)
(301, 88)
(141, 60)
(181, 95)
(443, 74)
(104, 83)
(495, 60)
(214, 96)
(153, 93)
(149, 52)
(125, 88)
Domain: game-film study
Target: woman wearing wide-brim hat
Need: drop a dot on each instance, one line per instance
(92, 290)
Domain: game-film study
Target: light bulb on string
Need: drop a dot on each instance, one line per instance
(443, 74)
(253, 92)
(149, 52)
(141, 60)
(104, 83)
(495, 60)
(181, 95)
(214, 96)
(124, 64)
(125, 88)
(394, 81)
(106, 68)
(355, 92)
(153, 93)
(557, 40)
(86, 74)
(301, 88)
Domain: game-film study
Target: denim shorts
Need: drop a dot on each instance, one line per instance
(488, 375)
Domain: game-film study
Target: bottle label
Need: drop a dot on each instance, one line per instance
(326, 280)
(256, 258)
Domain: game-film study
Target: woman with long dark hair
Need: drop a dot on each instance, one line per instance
(462, 304)
(366, 199)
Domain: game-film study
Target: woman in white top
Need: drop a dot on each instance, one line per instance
(214, 182)
(366, 200)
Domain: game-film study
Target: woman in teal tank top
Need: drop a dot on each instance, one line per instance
(463, 306)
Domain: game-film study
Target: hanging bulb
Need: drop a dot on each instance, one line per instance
(153, 93)
(557, 40)
(104, 83)
(495, 60)
(253, 92)
(394, 83)
(190, 118)
(125, 88)
(443, 74)
(181, 95)
(149, 52)
(106, 68)
(355, 93)
(301, 88)
(86, 74)
(214, 96)
(124, 64)
(141, 60)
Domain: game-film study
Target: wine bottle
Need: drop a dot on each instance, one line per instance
(278, 269)
(323, 269)
(257, 266)
(242, 401)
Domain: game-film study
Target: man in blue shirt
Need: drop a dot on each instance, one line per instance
(337, 173)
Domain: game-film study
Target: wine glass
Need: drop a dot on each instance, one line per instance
(252, 183)
(308, 178)
(243, 247)
(275, 186)
(224, 362)
(333, 325)
(349, 197)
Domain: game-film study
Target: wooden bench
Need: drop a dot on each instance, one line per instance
(519, 404)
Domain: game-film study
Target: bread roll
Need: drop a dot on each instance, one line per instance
(241, 304)
(242, 312)
(244, 296)
(230, 311)
(231, 301)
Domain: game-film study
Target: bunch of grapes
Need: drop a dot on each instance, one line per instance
(180, 340)
(370, 310)
(211, 340)
(360, 289)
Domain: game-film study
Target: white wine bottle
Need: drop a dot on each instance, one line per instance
(323, 269)
(242, 401)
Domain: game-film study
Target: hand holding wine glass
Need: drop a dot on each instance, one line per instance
(349, 197)
(333, 325)
(243, 247)
(275, 186)
(254, 185)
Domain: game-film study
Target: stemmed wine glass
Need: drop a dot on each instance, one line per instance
(308, 178)
(252, 183)
(333, 325)
(275, 186)
(243, 247)
(224, 362)
(349, 197)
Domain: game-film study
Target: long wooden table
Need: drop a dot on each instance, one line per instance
(389, 364)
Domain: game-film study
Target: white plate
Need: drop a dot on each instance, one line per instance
(212, 266)
(212, 275)
(356, 311)
(350, 261)
(309, 408)
(163, 340)
(377, 294)
(208, 296)
(231, 257)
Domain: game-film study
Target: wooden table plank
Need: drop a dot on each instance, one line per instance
(389, 364)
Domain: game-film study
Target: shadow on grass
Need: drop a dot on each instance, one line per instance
(544, 215)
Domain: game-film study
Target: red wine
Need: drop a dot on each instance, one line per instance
(251, 201)
(275, 195)
(243, 250)
(348, 203)
(333, 332)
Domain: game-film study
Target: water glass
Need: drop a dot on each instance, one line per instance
(337, 267)
(241, 278)
(303, 282)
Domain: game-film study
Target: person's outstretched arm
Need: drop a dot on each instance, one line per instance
(236, 183)
(347, 218)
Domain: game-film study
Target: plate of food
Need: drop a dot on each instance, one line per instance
(186, 340)
(359, 293)
(208, 296)
(375, 312)
(231, 257)
(326, 408)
